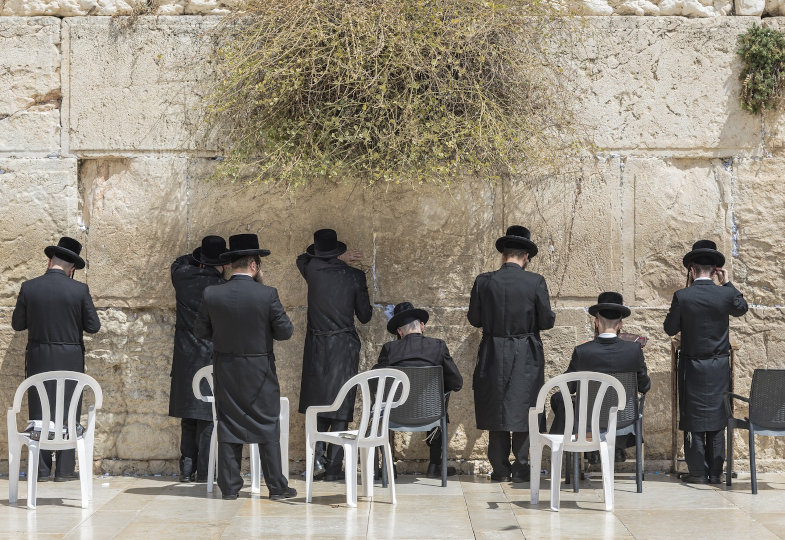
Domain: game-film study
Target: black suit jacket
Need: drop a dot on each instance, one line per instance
(610, 355)
(416, 350)
(701, 313)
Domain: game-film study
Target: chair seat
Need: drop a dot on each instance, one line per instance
(337, 437)
(426, 427)
(572, 445)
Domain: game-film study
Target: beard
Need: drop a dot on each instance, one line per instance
(258, 276)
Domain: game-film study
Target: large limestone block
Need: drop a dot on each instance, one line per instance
(574, 218)
(12, 369)
(30, 85)
(641, 85)
(669, 204)
(750, 7)
(137, 87)
(40, 204)
(137, 218)
(759, 212)
(72, 8)
(687, 8)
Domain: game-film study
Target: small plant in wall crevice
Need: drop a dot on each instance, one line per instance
(763, 76)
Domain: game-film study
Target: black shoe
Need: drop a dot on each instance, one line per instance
(67, 477)
(690, 479)
(435, 471)
(186, 469)
(499, 478)
(318, 469)
(620, 456)
(229, 496)
(187, 478)
(523, 476)
(43, 478)
(593, 458)
(288, 494)
(714, 480)
(334, 477)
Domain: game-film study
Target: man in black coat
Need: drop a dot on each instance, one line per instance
(242, 317)
(331, 356)
(413, 349)
(701, 313)
(191, 274)
(511, 306)
(607, 353)
(55, 311)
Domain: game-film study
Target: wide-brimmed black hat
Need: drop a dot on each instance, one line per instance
(403, 314)
(326, 245)
(704, 252)
(209, 252)
(67, 249)
(242, 245)
(610, 305)
(519, 238)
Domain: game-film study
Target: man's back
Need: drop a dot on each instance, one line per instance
(189, 281)
(611, 355)
(416, 350)
(336, 293)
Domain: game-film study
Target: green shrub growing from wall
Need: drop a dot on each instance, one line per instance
(414, 90)
(763, 53)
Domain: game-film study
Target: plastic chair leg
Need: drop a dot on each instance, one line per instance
(351, 474)
(284, 437)
(211, 467)
(606, 457)
(32, 474)
(309, 452)
(85, 471)
(256, 467)
(366, 471)
(753, 474)
(14, 460)
(390, 477)
(556, 458)
(729, 453)
(639, 457)
(445, 441)
(535, 460)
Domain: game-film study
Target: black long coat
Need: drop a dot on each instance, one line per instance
(331, 356)
(701, 313)
(242, 318)
(55, 310)
(511, 306)
(190, 353)
(417, 350)
(610, 355)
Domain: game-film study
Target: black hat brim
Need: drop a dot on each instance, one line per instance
(719, 258)
(623, 311)
(66, 255)
(231, 256)
(197, 256)
(405, 317)
(340, 249)
(523, 243)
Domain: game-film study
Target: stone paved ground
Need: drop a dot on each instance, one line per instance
(470, 507)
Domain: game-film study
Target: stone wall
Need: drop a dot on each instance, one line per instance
(100, 139)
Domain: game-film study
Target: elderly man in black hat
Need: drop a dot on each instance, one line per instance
(413, 349)
(607, 353)
(337, 293)
(55, 311)
(242, 317)
(701, 313)
(511, 305)
(191, 274)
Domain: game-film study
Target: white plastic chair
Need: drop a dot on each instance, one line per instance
(576, 440)
(256, 462)
(372, 430)
(53, 439)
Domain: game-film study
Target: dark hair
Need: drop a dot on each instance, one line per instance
(517, 253)
(245, 262)
(703, 268)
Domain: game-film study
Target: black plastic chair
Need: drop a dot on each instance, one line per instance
(424, 409)
(629, 420)
(766, 415)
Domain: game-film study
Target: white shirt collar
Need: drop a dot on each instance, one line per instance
(697, 278)
(607, 335)
(241, 274)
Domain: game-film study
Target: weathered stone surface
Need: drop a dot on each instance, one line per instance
(673, 203)
(40, 204)
(750, 7)
(137, 218)
(137, 86)
(686, 8)
(578, 207)
(641, 85)
(757, 207)
(72, 8)
(12, 369)
(30, 85)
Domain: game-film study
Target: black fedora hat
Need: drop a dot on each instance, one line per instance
(403, 314)
(610, 305)
(326, 245)
(67, 249)
(519, 238)
(242, 245)
(704, 252)
(209, 252)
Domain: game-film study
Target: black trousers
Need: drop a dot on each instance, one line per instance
(704, 452)
(332, 458)
(499, 445)
(557, 427)
(195, 446)
(66, 459)
(434, 442)
(230, 456)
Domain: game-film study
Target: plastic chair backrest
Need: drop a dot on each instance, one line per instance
(61, 417)
(425, 403)
(625, 417)
(767, 399)
(205, 373)
(375, 419)
(586, 424)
